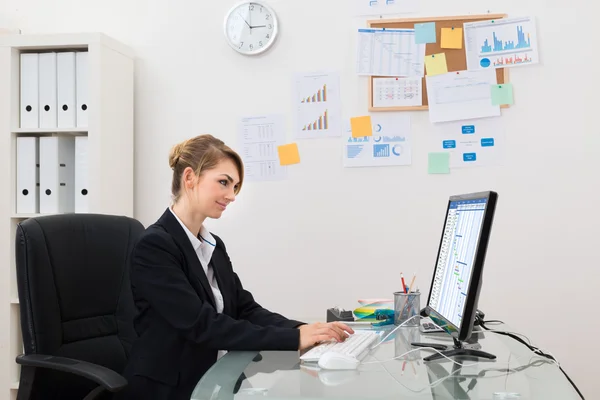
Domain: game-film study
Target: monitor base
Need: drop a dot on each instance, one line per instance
(459, 349)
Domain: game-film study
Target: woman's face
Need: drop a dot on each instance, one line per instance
(214, 189)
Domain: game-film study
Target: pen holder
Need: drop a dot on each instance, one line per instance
(407, 306)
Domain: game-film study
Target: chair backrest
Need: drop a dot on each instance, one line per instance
(75, 294)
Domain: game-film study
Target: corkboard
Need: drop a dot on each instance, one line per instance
(455, 58)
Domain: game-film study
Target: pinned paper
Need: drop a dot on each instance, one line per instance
(288, 154)
(439, 163)
(452, 38)
(361, 126)
(435, 64)
(502, 94)
(425, 33)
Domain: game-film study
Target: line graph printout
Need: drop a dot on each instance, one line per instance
(457, 255)
(389, 52)
(397, 92)
(505, 42)
(461, 95)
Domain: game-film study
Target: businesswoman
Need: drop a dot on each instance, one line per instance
(191, 304)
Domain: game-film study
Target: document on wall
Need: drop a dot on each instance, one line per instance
(472, 143)
(383, 7)
(501, 43)
(397, 92)
(389, 145)
(317, 105)
(461, 95)
(259, 138)
(389, 52)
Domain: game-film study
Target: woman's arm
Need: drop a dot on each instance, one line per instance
(157, 277)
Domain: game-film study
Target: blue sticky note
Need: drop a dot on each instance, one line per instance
(425, 33)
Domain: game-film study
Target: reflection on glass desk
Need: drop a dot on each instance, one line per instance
(516, 373)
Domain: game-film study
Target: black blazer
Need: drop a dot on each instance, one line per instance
(179, 329)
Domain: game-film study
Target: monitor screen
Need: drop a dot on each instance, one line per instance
(456, 258)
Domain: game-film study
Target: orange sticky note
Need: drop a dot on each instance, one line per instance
(361, 126)
(288, 154)
(452, 38)
(436, 64)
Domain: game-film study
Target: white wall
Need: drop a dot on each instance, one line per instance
(330, 235)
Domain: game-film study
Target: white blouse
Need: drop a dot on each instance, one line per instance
(204, 245)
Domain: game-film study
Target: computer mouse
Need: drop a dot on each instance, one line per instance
(334, 360)
(337, 378)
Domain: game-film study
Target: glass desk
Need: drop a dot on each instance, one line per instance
(516, 373)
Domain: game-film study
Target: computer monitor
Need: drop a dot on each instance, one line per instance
(458, 273)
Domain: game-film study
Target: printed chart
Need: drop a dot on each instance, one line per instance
(317, 105)
(501, 43)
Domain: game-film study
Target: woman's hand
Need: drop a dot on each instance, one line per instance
(320, 332)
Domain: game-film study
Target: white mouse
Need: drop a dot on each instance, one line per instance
(334, 360)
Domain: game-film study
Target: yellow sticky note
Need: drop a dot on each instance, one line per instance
(452, 38)
(288, 154)
(436, 64)
(361, 126)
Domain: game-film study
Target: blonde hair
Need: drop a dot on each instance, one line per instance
(201, 153)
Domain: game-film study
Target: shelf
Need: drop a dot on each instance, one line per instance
(14, 300)
(41, 131)
(14, 386)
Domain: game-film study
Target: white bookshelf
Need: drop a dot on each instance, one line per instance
(110, 156)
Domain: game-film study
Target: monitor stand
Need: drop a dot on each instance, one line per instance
(460, 349)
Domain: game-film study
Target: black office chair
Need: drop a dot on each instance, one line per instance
(76, 304)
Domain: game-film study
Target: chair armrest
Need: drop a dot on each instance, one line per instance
(103, 376)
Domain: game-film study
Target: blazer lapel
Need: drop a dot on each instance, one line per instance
(195, 272)
(217, 261)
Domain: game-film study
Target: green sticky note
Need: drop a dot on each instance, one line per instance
(502, 94)
(439, 163)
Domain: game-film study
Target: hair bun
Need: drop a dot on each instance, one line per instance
(174, 156)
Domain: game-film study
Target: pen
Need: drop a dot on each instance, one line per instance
(412, 282)
(403, 283)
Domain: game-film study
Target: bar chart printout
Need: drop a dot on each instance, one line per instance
(501, 43)
(457, 254)
(317, 105)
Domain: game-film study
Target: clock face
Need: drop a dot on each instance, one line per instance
(251, 27)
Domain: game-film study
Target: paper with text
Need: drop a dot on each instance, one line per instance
(389, 52)
(397, 92)
(259, 138)
(472, 143)
(389, 145)
(461, 95)
(384, 7)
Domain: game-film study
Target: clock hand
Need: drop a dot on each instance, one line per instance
(245, 20)
(258, 26)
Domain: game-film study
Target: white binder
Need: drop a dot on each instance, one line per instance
(47, 76)
(81, 175)
(29, 91)
(27, 175)
(57, 166)
(83, 85)
(65, 74)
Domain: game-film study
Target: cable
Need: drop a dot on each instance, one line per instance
(538, 351)
(419, 349)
